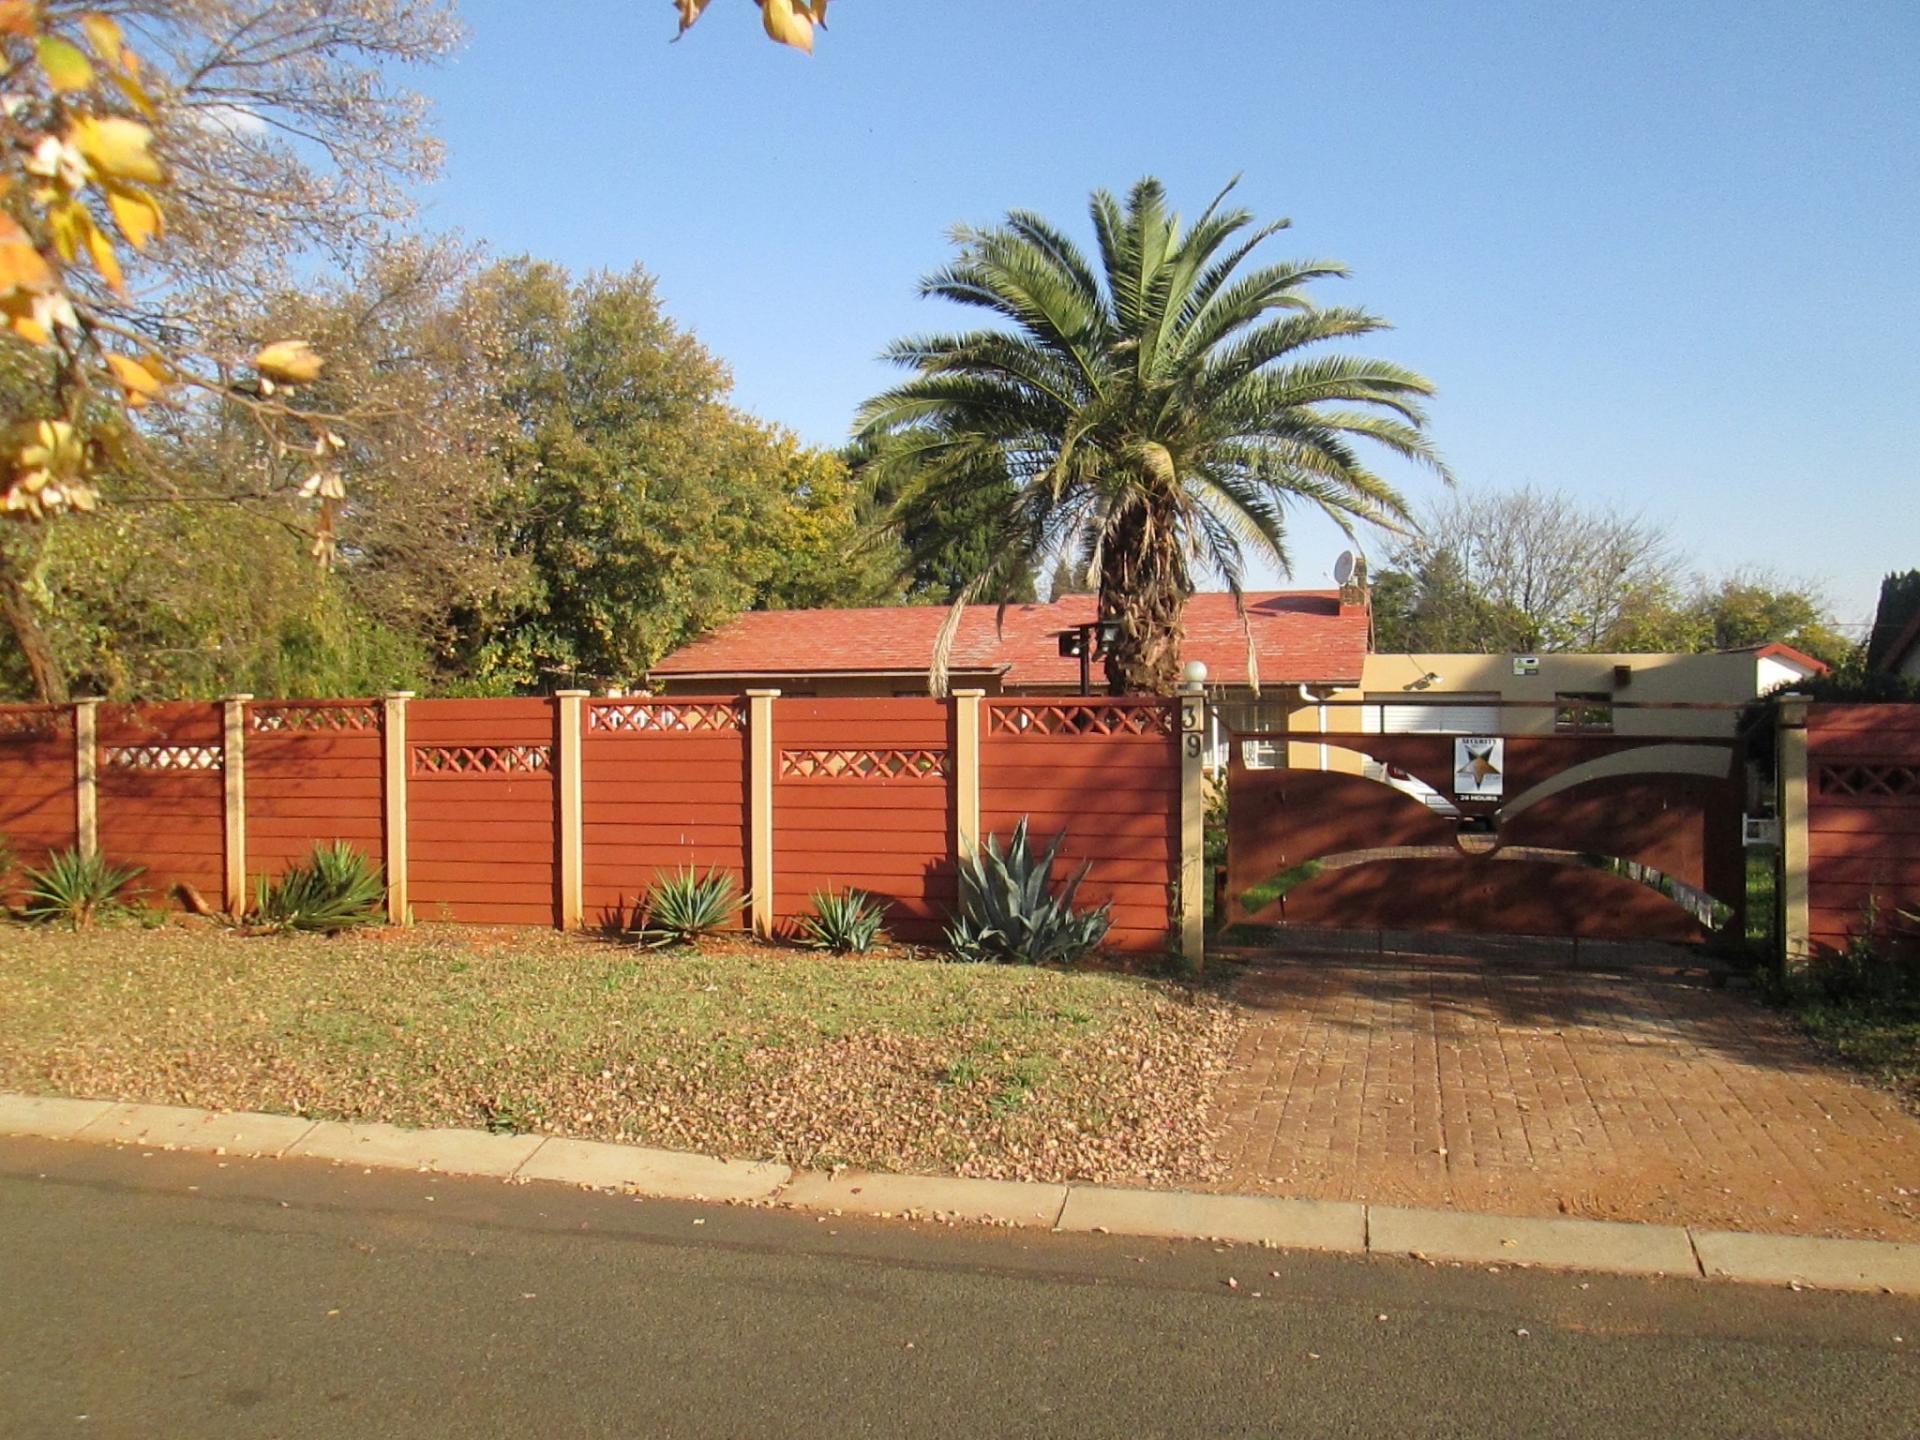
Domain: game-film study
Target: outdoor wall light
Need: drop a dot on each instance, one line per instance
(1194, 674)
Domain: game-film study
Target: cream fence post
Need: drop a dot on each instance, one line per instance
(966, 771)
(393, 735)
(233, 768)
(760, 771)
(1193, 827)
(572, 706)
(1791, 770)
(86, 777)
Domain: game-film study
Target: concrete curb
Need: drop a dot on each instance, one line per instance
(1383, 1230)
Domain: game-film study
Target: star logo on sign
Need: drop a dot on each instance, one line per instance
(1480, 762)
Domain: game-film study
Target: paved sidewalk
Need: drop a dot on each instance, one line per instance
(1437, 1081)
(1342, 1227)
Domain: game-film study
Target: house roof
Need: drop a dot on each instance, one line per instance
(1301, 636)
(1780, 650)
(1896, 623)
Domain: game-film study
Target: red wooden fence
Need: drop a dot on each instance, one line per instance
(162, 795)
(863, 797)
(483, 833)
(664, 787)
(37, 814)
(865, 793)
(313, 775)
(1108, 774)
(1863, 817)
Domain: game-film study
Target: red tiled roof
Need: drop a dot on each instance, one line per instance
(1302, 636)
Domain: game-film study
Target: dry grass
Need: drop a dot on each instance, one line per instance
(891, 1063)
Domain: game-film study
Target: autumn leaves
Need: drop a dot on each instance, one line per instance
(790, 22)
(80, 190)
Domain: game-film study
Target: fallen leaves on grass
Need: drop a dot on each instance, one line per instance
(890, 1063)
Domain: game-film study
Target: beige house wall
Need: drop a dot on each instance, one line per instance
(1728, 679)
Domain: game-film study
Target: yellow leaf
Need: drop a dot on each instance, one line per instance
(66, 64)
(21, 266)
(143, 380)
(820, 13)
(105, 258)
(289, 362)
(788, 23)
(119, 149)
(69, 222)
(136, 213)
(108, 41)
(16, 18)
(689, 12)
(131, 87)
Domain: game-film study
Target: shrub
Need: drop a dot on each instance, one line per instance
(1008, 912)
(1881, 963)
(333, 889)
(76, 888)
(846, 924)
(682, 908)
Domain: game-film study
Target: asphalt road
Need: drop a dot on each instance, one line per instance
(190, 1296)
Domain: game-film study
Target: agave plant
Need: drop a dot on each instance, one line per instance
(683, 908)
(1009, 913)
(77, 889)
(846, 923)
(333, 889)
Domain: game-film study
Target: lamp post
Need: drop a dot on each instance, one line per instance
(1084, 642)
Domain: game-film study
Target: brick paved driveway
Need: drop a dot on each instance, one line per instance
(1518, 1089)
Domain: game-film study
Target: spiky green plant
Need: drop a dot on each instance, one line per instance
(1009, 913)
(683, 908)
(844, 922)
(77, 889)
(335, 888)
(1157, 408)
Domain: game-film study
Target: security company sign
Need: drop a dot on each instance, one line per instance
(1479, 765)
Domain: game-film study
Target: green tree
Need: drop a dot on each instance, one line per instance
(1157, 415)
(646, 508)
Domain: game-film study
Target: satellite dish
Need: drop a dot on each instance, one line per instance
(1343, 567)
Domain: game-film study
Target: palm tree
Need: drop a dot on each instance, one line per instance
(1158, 416)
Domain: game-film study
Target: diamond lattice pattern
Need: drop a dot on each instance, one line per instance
(270, 719)
(481, 759)
(35, 722)
(165, 757)
(1863, 782)
(658, 716)
(1081, 719)
(863, 764)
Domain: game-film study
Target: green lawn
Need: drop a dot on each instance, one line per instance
(1881, 1038)
(893, 1062)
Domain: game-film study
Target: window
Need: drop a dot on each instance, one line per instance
(1464, 713)
(1583, 713)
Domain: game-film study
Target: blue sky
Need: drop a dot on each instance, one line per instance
(1660, 255)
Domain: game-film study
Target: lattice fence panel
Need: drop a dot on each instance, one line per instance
(1073, 719)
(481, 759)
(281, 719)
(863, 764)
(1865, 781)
(36, 722)
(165, 757)
(668, 717)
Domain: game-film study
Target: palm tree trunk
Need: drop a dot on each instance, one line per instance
(1144, 588)
(17, 613)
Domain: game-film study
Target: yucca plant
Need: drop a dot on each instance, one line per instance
(335, 888)
(76, 889)
(683, 908)
(1009, 913)
(846, 923)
